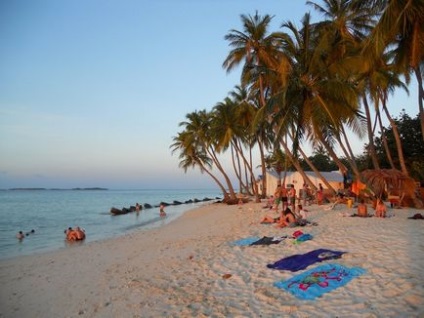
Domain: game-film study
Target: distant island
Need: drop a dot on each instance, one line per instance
(44, 189)
(95, 188)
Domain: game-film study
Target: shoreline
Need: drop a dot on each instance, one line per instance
(178, 270)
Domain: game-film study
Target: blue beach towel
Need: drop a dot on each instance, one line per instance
(245, 241)
(320, 280)
(303, 238)
(298, 262)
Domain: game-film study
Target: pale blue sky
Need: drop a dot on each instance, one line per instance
(92, 91)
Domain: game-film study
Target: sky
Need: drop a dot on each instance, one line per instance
(92, 91)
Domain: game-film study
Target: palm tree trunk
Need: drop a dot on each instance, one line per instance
(371, 147)
(263, 168)
(314, 169)
(332, 154)
(420, 98)
(296, 165)
(397, 140)
(212, 155)
(348, 154)
(384, 139)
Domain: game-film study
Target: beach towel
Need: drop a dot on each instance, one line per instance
(298, 262)
(319, 280)
(245, 241)
(303, 238)
(266, 240)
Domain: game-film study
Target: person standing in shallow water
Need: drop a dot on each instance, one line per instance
(162, 211)
(20, 236)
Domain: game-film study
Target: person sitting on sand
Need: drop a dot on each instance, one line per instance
(162, 211)
(269, 219)
(20, 236)
(287, 218)
(301, 213)
(362, 209)
(380, 209)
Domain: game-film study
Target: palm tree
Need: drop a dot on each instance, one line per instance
(256, 49)
(401, 26)
(191, 157)
(316, 98)
(197, 130)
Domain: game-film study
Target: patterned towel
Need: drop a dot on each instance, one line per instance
(320, 280)
(298, 262)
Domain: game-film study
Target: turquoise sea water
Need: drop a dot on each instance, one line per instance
(50, 212)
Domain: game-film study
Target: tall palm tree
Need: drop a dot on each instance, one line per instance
(255, 49)
(316, 98)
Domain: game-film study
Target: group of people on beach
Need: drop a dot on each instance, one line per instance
(380, 209)
(287, 217)
(76, 234)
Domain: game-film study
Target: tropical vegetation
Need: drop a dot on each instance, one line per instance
(313, 85)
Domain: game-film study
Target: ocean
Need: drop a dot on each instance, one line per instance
(50, 212)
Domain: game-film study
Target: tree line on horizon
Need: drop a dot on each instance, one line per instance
(313, 85)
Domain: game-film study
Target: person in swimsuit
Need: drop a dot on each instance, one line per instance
(287, 218)
(362, 209)
(292, 196)
(277, 197)
(79, 234)
(380, 209)
(283, 194)
(162, 213)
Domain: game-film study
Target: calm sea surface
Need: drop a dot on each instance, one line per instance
(50, 212)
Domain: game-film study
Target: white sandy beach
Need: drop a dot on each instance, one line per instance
(177, 270)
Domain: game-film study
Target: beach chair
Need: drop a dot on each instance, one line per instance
(396, 200)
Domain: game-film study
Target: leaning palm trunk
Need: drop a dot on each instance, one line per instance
(314, 169)
(397, 140)
(214, 158)
(220, 185)
(332, 154)
(296, 165)
(349, 155)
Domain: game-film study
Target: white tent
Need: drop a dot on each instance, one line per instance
(334, 178)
